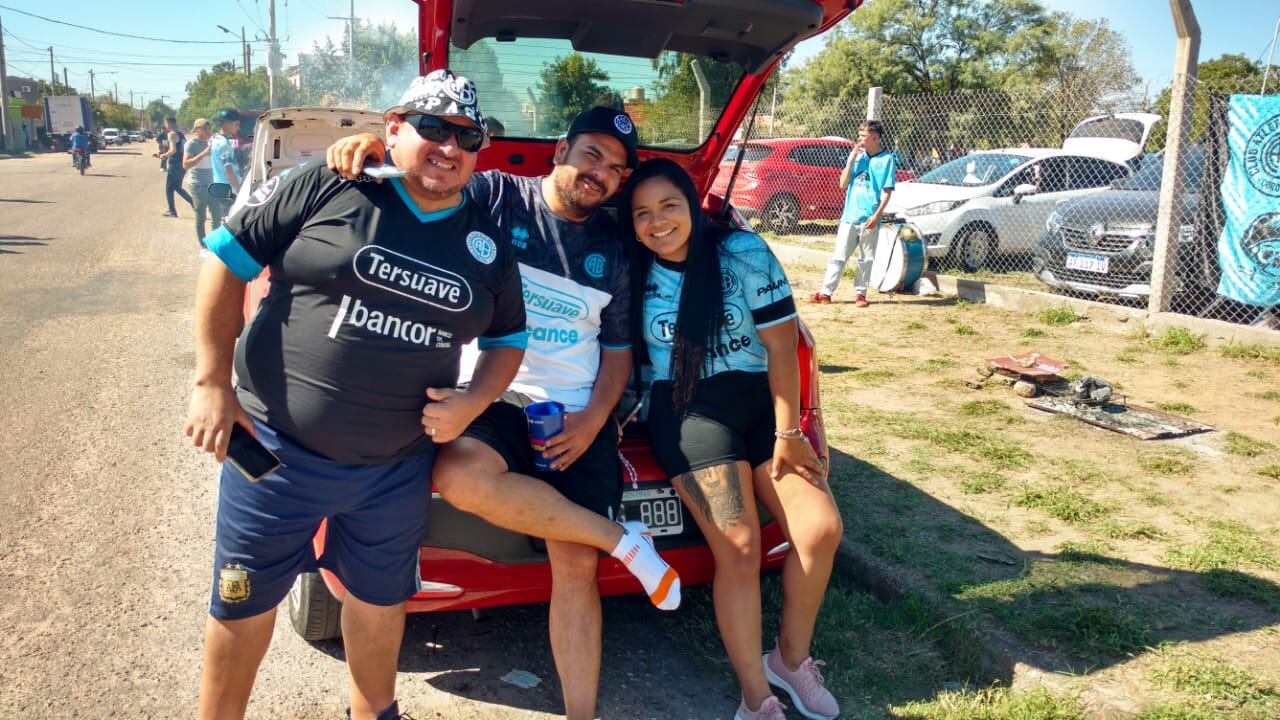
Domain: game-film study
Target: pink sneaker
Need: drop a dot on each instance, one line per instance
(804, 685)
(770, 709)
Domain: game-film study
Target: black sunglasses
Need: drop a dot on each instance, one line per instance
(437, 130)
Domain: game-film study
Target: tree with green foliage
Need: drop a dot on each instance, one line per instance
(567, 86)
(677, 112)
(383, 64)
(223, 87)
(156, 111)
(108, 114)
(1224, 75)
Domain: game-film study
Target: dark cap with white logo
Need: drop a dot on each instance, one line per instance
(443, 94)
(610, 122)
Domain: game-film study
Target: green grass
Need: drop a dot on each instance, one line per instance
(965, 330)
(1177, 341)
(933, 365)
(1061, 315)
(1257, 374)
(983, 482)
(1177, 407)
(1227, 545)
(983, 408)
(1213, 679)
(916, 325)
(1270, 471)
(1129, 530)
(1062, 503)
(982, 445)
(992, 704)
(1245, 446)
(1243, 586)
(1251, 352)
(1077, 549)
(1270, 395)
(1032, 332)
(869, 377)
(1167, 465)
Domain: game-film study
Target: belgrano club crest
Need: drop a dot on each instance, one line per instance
(233, 583)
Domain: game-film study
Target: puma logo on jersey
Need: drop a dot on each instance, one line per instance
(775, 285)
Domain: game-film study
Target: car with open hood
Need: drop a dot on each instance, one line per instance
(995, 202)
(647, 55)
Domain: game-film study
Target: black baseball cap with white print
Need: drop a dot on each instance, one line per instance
(443, 94)
(610, 122)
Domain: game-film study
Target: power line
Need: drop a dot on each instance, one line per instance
(43, 46)
(116, 34)
(245, 12)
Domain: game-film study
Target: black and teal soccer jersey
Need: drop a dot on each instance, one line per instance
(370, 303)
(756, 295)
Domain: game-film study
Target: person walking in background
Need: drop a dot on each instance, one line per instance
(222, 158)
(868, 180)
(195, 160)
(174, 171)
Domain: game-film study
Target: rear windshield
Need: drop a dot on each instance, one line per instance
(534, 87)
(1149, 175)
(1130, 130)
(754, 153)
(974, 170)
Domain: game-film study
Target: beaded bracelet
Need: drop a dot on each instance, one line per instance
(791, 434)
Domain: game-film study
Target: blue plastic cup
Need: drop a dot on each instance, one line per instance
(546, 420)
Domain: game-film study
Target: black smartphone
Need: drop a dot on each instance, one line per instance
(250, 457)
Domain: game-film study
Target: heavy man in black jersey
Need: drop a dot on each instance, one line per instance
(347, 373)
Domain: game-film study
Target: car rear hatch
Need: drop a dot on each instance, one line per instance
(1119, 138)
(686, 71)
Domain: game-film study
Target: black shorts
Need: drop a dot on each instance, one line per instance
(730, 418)
(594, 481)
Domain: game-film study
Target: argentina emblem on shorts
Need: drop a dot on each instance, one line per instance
(594, 265)
(482, 247)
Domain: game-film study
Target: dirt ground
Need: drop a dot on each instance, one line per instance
(1098, 560)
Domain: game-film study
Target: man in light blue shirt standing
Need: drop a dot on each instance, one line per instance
(222, 156)
(868, 181)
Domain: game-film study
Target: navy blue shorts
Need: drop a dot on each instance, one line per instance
(377, 520)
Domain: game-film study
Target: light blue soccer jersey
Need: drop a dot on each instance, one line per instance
(870, 176)
(222, 154)
(757, 295)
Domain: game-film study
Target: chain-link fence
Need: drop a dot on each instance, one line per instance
(1036, 189)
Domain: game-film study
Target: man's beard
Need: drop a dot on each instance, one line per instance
(436, 189)
(570, 196)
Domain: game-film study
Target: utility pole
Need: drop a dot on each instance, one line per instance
(351, 42)
(92, 92)
(53, 74)
(65, 83)
(115, 93)
(244, 48)
(273, 59)
(6, 126)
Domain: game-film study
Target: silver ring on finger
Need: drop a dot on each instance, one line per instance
(431, 431)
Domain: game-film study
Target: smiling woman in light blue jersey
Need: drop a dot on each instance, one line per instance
(718, 324)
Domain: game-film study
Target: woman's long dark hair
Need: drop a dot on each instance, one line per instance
(701, 309)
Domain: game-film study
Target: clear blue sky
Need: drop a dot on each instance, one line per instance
(152, 69)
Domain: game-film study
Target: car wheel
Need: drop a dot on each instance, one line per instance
(313, 611)
(782, 214)
(973, 248)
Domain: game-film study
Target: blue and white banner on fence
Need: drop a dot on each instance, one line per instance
(1249, 249)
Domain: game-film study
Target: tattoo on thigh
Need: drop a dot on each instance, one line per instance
(716, 492)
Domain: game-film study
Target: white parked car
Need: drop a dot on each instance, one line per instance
(996, 202)
(111, 136)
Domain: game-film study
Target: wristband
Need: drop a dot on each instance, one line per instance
(790, 434)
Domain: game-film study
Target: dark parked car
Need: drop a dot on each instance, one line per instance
(1103, 244)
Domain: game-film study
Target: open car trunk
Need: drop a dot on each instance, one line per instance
(687, 71)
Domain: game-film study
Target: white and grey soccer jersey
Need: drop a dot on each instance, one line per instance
(757, 295)
(576, 289)
(370, 303)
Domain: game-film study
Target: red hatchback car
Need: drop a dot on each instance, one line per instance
(465, 562)
(786, 181)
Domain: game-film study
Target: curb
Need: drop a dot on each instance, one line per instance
(1021, 300)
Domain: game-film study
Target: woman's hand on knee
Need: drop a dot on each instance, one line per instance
(795, 455)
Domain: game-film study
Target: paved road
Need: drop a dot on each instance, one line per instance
(106, 515)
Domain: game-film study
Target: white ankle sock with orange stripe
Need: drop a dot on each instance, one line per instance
(637, 553)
